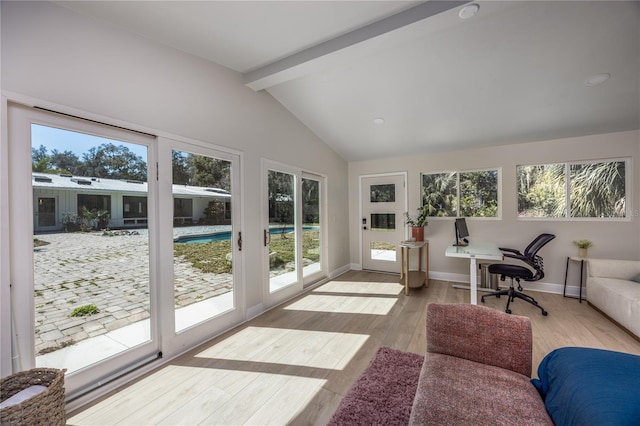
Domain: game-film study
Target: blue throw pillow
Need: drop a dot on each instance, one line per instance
(585, 386)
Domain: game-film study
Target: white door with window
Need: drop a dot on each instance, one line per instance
(383, 203)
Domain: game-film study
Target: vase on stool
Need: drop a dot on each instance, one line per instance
(582, 253)
(417, 232)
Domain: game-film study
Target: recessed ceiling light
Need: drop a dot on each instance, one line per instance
(594, 80)
(468, 11)
(378, 120)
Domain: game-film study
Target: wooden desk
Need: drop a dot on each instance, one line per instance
(473, 251)
(414, 279)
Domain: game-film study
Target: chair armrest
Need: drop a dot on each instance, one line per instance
(480, 334)
(512, 253)
(510, 250)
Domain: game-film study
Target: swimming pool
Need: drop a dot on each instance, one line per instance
(226, 235)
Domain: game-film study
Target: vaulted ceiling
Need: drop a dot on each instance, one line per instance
(375, 79)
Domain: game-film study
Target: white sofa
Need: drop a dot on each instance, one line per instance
(611, 289)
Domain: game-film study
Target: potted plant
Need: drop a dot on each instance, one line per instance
(582, 245)
(417, 222)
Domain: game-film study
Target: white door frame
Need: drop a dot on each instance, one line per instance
(280, 295)
(21, 246)
(177, 342)
(360, 195)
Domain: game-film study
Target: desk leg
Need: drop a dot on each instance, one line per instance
(474, 281)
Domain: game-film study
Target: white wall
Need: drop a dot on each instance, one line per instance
(55, 55)
(620, 239)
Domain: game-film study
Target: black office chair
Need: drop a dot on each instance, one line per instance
(531, 258)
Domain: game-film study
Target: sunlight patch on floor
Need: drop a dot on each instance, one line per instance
(195, 395)
(377, 288)
(279, 347)
(344, 304)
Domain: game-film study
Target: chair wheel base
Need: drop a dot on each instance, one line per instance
(508, 311)
(544, 313)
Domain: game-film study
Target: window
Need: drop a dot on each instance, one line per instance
(469, 194)
(595, 189)
(94, 202)
(182, 207)
(383, 193)
(134, 207)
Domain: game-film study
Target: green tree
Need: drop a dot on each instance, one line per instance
(310, 201)
(598, 189)
(181, 168)
(281, 199)
(40, 161)
(210, 172)
(541, 190)
(479, 193)
(113, 162)
(39, 154)
(66, 160)
(439, 194)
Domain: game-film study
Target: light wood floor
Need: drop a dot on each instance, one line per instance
(293, 364)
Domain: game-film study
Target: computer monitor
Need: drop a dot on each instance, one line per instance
(461, 232)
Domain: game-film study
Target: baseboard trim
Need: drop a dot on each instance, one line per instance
(625, 329)
(544, 287)
(255, 311)
(339, 271)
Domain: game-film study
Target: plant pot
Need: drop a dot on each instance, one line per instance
(582, 253)
(417, 232)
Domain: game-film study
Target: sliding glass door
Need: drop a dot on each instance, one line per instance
(81, 262)
(203, 243)
(292, 234)
(200, 232)
(123, 246)
(312, 229)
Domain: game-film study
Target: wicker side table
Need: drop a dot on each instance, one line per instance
(45, 408)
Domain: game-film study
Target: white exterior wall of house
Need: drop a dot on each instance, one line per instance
(65, 194)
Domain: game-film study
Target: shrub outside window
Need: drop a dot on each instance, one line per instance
(594, 189)
(468, 194)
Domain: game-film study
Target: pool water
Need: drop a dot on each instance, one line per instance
(226, 235)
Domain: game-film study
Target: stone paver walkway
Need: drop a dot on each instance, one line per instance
(110, 272)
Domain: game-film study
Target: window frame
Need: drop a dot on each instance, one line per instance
(567, 188)
(498, 170)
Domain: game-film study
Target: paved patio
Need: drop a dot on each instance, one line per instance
(110, 272)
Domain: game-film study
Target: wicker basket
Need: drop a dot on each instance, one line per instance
(45, 408)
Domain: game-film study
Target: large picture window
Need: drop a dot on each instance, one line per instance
(468, 194)
(94, 203)
(595, 189)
